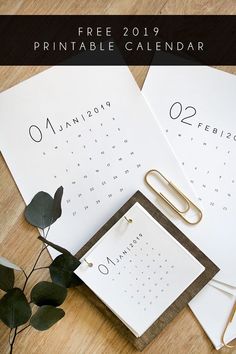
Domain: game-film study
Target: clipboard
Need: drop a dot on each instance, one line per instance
(173, 310)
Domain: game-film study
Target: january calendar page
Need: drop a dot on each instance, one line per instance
(142, 265)
(90, 130)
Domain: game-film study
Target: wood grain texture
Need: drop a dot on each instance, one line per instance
(84, 330)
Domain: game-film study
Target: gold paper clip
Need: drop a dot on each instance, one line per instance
(230, 319)
(187, 201)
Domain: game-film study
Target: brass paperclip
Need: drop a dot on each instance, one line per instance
(230, 319)
(187, 201)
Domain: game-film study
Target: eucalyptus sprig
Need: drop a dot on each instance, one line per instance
(41, 310)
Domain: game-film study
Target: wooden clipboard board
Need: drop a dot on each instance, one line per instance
(210, 270)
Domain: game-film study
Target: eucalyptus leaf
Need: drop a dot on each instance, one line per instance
(5, 262)
(46, 293)
(75, 281)
(57, 203)
(14, 308)
(7, 278)
(53, 245)
(43, 210)
(62, 268)
(39, 212)
(45, 317)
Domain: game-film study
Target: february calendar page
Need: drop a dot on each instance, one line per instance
(90, 130)
(196, 109)
(195, 106)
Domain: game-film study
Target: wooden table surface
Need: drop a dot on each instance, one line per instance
(84, 330)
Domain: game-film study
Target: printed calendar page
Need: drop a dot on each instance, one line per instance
(142, 265)
(90, 130)
(195, 107)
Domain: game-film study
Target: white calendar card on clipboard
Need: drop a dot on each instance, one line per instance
(146, 271)
(143, 269)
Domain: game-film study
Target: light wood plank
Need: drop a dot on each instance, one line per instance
(199, 7)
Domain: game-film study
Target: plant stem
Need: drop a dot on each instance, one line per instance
(23, 329)
(13, 340)
(41, 268)
(9, 337)
(30, 273)
(24, 273)
(46, 235)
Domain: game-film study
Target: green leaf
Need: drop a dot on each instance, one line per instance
(45, 317)
(57, 203)
(43, 210)
(39, 212)
(46, 293)
(62, 268)
(75, 281)
(53, 245)
(7, 278)
(5, 262)
(14, 308)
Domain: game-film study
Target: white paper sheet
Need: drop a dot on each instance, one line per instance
(141, 266)
(195, 107)
(90, 130)
(213, 307)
